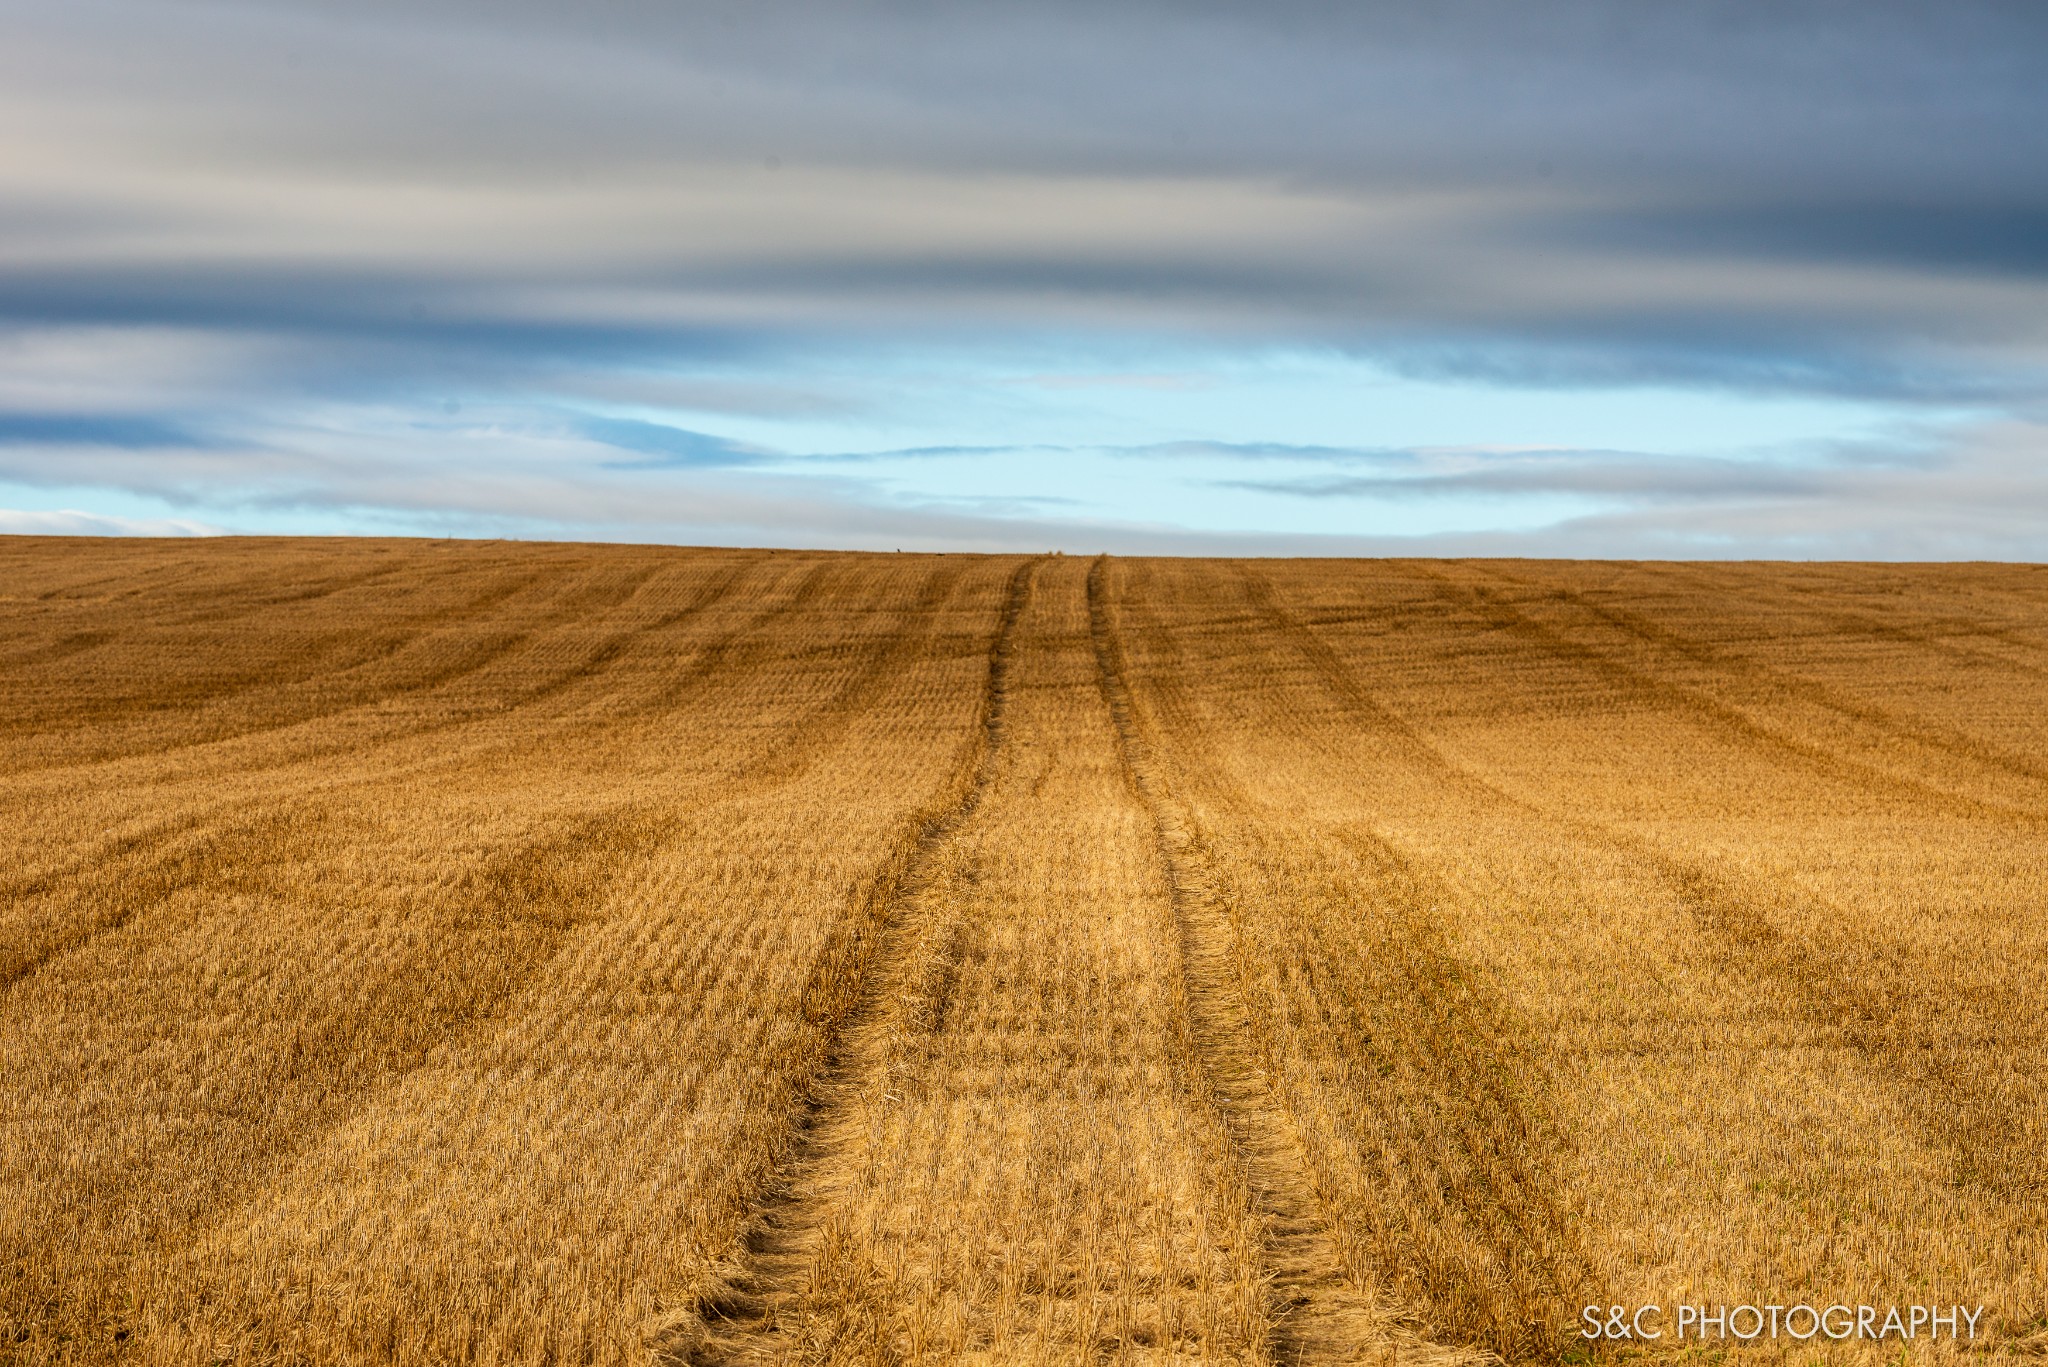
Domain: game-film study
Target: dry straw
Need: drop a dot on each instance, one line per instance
(429, 953)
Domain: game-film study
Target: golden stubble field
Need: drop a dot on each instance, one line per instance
(422, 952)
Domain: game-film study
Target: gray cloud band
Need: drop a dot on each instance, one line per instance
(1600, 192)
(367, 204)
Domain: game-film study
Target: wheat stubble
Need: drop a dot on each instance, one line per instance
(419, 952)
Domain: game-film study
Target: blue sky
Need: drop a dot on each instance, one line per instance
(1580, 278)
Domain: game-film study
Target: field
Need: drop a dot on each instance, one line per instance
(419, 952)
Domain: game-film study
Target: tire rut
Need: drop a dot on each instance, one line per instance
(1884, 722)
(1975, 1114)
(577, 673)
(171, 845)
(879, 662)
(300, 779)
(849, 1002)
(1316, 1313)
(492, 649)
(1732, 721)
(514, 913)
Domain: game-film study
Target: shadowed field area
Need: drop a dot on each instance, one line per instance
(420, 952)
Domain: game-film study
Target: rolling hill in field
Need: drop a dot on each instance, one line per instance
(422, 952)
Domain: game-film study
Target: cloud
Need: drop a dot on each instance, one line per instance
(247, 252)
(1989, 238)
(1627, 475)
(671, 446)
(1971, 492)
(71, 522)
(1786, 196)
(133, 432)
(1976, 493)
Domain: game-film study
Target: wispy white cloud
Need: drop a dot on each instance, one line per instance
(73, 522)
(1964, 492)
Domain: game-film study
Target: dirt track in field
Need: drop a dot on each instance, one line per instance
(426, 952)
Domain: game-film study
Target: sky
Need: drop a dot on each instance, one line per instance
(1577, 278)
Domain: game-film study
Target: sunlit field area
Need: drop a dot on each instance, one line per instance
(426, 952)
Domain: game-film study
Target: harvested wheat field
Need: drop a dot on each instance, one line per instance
(424, 952)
